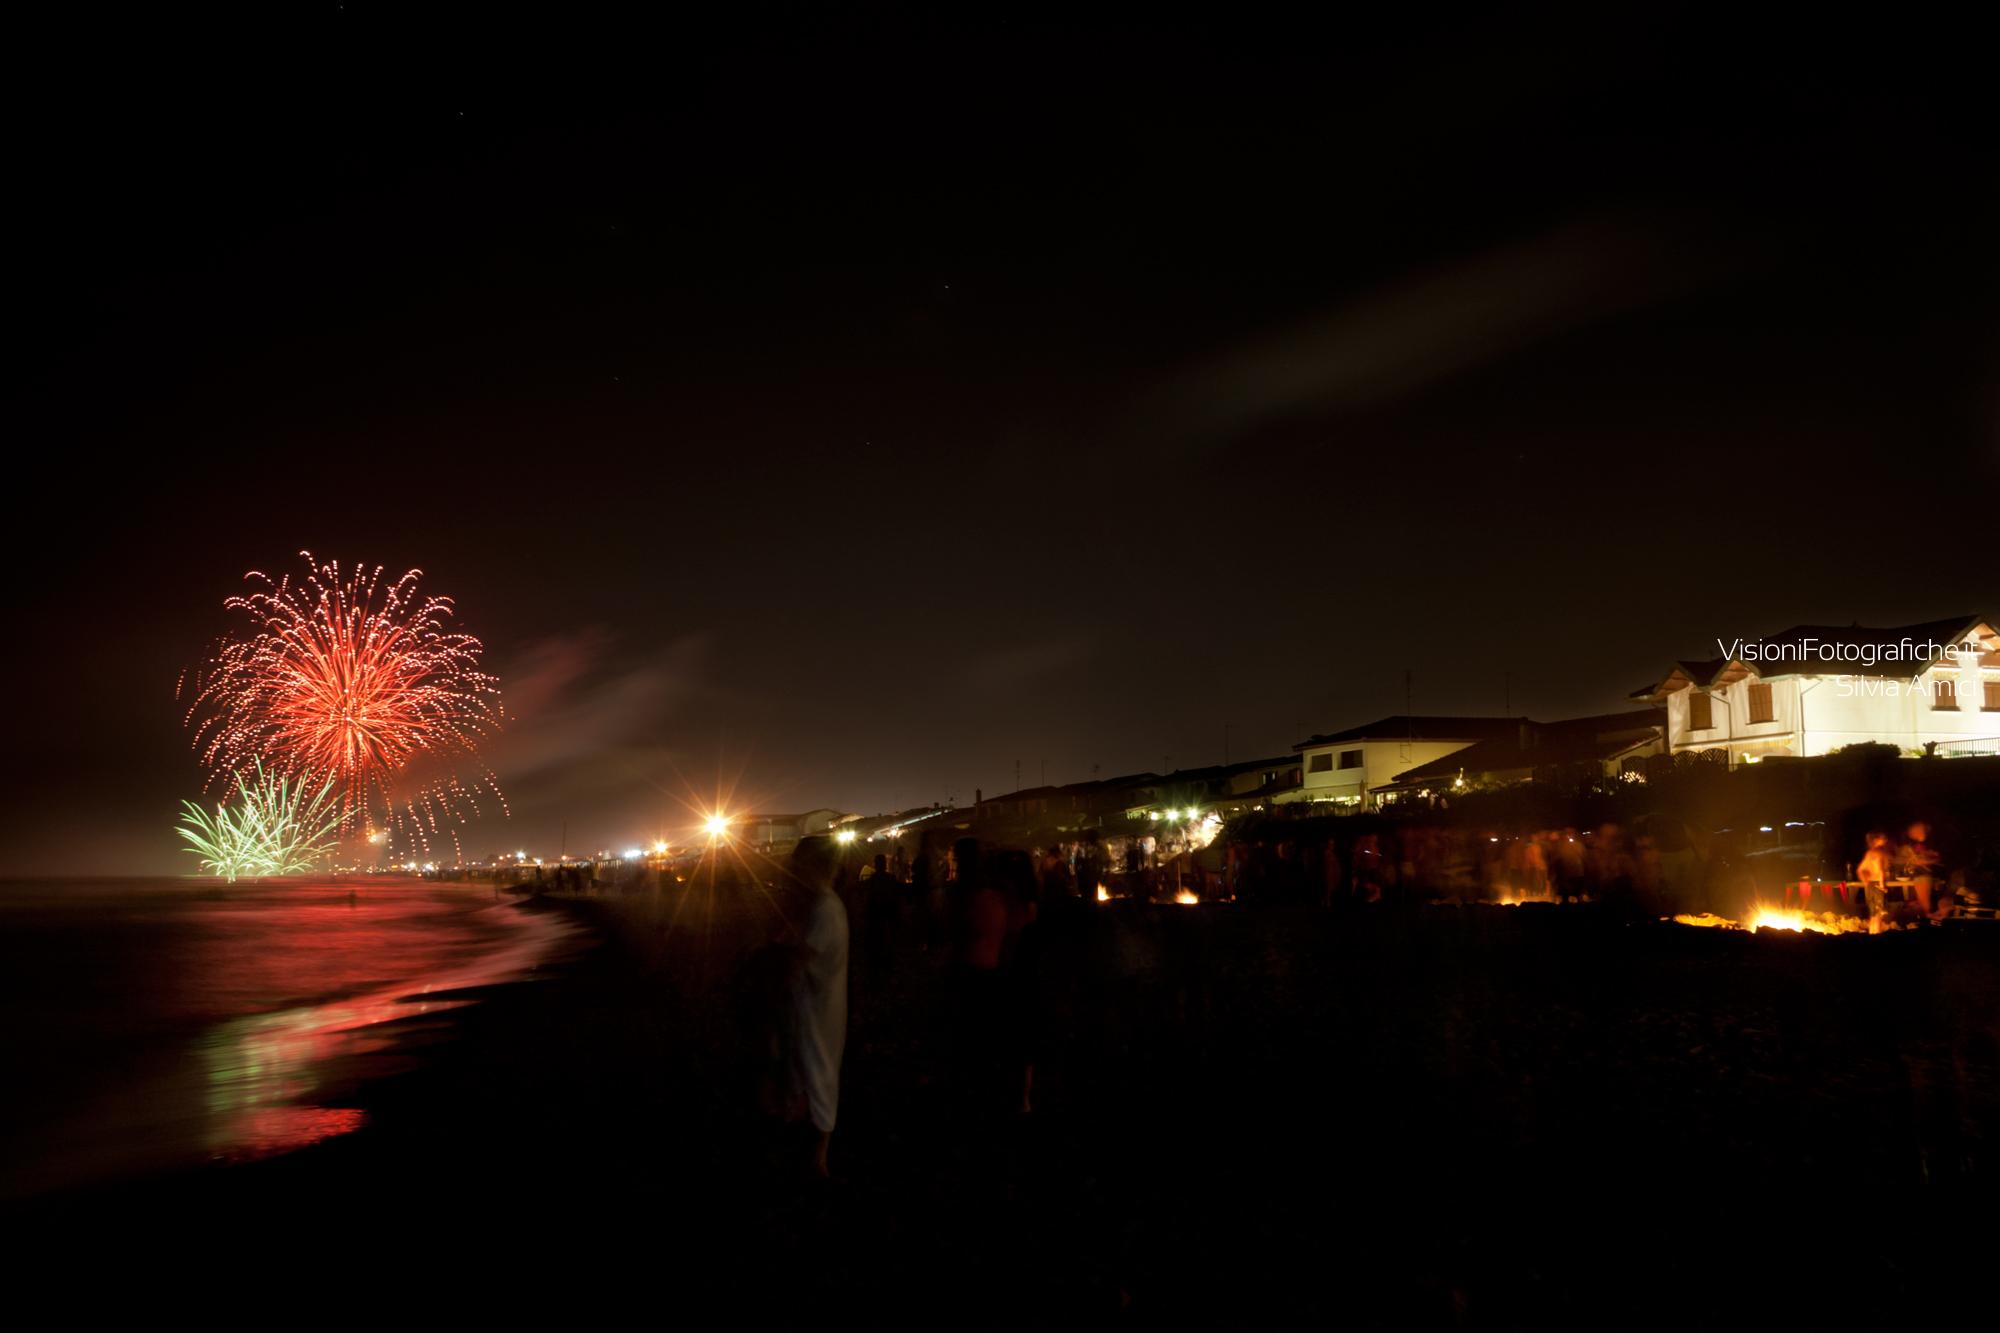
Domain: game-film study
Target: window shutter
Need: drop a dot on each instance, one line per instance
(1700, 712)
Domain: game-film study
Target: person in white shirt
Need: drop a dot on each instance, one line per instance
(819, 990)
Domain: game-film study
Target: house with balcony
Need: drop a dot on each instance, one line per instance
(1930, 688)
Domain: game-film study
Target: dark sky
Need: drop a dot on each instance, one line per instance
(842, 413)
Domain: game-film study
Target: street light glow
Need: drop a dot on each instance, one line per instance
(717, 825)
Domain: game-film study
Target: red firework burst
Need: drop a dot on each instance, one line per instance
(353, 679)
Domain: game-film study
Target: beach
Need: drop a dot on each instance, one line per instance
(1434, 1115)
(155, 1025)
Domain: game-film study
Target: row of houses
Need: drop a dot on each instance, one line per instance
(1925, 689)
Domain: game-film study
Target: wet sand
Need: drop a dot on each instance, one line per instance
(1497, 1117)
(152, 1024)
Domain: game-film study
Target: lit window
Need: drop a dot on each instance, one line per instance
(1993, 696)
(1944, 693)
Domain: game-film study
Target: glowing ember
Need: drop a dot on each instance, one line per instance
(1187, 898)
(1774, 918)
(1103, 894)
(1824, 923)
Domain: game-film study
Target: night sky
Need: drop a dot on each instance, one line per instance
(843, 413)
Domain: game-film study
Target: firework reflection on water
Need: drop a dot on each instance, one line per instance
(154, 1023)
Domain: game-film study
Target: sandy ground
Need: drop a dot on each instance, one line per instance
(1491, 1117)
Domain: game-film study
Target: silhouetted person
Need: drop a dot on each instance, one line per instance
(1018, 997)
(1089, 867)
(1873, 872)
(978, 993)
(1055, 877)
(1918, 861)
(818, 1029)
(927, 894)
(883, 895)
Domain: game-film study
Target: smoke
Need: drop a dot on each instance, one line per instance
(570, 701)
(1434, 325)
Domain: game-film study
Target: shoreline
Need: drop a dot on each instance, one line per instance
(1221, 1156)
(175, 1089)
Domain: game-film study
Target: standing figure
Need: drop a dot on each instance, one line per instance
(819, 991)
(1918, 861)
(1873, 872)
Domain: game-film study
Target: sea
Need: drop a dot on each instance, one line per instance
(148, 1025)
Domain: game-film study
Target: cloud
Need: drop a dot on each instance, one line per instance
(567, 702)
(1024, 665)
(1436, 325)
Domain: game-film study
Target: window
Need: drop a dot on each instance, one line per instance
(1993, 696)
(1321, 763)
(1760, 703)
(1944, 693)
(1350, 758)
(1701, 712)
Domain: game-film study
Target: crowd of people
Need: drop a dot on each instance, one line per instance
(1902, 880)
(1012, 941)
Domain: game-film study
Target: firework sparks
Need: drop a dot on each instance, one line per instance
(354, 681)
(278, 828)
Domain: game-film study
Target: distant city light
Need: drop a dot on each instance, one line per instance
(660, 848)
(845, 835)
(633, 853)
(717, 825)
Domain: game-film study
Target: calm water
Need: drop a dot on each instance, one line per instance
(147, 1024)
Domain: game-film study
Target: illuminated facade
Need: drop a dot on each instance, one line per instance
(1814, 689)
(1347, 769)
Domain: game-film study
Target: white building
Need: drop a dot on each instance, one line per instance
(1347, 768)
(1929, 688)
